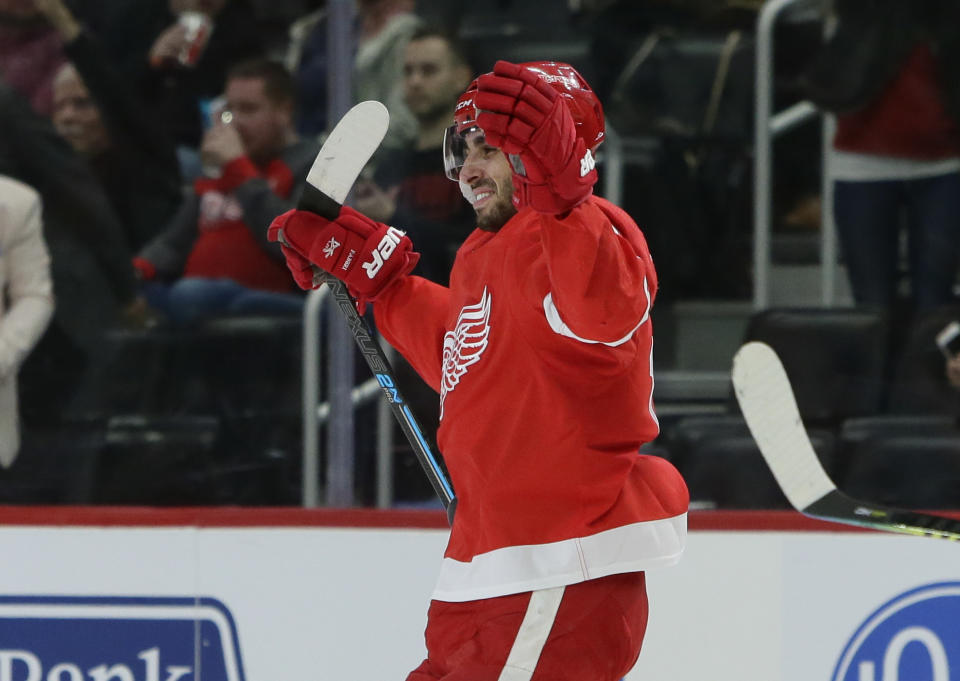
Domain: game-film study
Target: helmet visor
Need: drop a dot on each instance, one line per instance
(455, 150)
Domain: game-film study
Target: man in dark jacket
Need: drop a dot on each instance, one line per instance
(214, 257)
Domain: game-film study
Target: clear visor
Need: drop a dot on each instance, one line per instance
(456, 148)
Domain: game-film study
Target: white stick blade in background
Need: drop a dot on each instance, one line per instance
(770, 409)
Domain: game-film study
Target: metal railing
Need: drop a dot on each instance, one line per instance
(344, 397)
(612, 159)
(310, 387)
(769, 125)
(316, 414)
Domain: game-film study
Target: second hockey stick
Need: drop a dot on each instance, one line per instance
(770, 409)
(341, 158)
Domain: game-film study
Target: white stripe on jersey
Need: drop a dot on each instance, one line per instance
(559, 326)
(643, 545)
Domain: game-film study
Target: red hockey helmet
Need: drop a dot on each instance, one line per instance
(465, 113)
(454, 138)
(578, 95)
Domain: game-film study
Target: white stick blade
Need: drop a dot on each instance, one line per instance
(347, 149)
(770, 409)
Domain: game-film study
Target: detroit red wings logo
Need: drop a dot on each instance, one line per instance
(463, 346)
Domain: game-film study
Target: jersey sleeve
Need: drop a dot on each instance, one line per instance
(601, 277)
(411, 316)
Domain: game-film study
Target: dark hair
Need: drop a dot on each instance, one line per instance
(455, 45)
(278, 84)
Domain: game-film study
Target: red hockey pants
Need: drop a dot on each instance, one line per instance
(591, 631)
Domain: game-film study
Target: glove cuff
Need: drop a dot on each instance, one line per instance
(544, 197)
(559, 192)
(409, 261)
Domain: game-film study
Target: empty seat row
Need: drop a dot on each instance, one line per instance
(845, 363)
(209, 415)
(873, 394)
(909, 461)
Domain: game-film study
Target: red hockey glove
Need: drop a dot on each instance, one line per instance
(523, 115)
(366, 255)
(302, 270)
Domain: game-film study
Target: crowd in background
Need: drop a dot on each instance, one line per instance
(160, 137)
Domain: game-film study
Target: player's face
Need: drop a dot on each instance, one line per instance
(76, 116)
(432, 78)
(487, 172)
(263, 124)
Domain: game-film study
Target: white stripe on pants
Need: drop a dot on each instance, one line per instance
(532, 635)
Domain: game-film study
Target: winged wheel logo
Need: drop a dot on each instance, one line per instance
(464, 345)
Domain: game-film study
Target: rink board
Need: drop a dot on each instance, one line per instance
(272, 595)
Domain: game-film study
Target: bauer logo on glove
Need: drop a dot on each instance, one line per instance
(384, 250)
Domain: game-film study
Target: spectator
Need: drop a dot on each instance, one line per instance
(948, 341)
(25, 276)
(409, 190)
(99, 115)
(30, 53)
(384, 27)
(953, 371)
(185, 78)
(889, 72)
(213, 257)
(93, 280)
(924, 367)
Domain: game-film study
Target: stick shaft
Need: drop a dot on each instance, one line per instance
(382, 370)
(345, 152)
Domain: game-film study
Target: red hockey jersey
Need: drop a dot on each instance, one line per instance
(541, 350)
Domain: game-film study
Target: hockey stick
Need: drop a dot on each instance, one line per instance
(770, 409)
(338, 164)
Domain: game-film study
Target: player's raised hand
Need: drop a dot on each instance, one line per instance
(167, 47)
(523, 115)
(368, 256)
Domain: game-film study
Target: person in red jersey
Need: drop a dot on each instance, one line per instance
(212, 257)
(540, 349)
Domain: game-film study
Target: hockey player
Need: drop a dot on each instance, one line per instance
(541, 352)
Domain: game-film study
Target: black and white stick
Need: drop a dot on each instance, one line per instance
(338, 164)
(770, 409)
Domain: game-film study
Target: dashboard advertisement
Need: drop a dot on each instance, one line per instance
(294, 596)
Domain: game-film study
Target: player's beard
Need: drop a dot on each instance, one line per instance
(500, 209)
